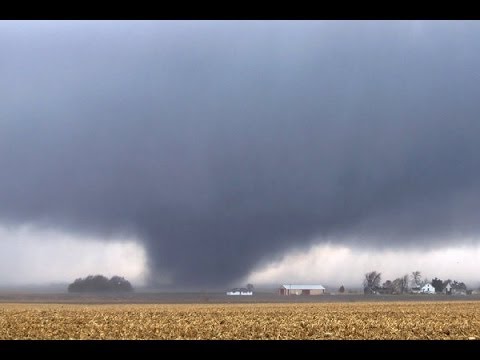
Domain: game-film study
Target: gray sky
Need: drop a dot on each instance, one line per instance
(222, 146)
(43, 256)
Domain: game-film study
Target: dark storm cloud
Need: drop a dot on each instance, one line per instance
(221, 144)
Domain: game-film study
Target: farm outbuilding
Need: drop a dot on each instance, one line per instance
(302, 290)
(240, 292)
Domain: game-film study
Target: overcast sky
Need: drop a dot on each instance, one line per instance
(212, 150)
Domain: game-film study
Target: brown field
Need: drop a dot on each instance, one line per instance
(379, 320)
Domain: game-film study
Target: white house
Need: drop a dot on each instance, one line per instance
(302, 290)
(240, 292)
(427, 289)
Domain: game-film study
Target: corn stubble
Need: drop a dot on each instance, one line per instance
(445, 320)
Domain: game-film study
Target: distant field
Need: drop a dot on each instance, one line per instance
(359, 320)
(211, 298)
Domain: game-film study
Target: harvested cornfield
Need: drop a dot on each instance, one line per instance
(418, 320)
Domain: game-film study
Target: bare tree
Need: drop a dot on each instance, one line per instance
(388, 287)
(405, 282)
(400, 284)
(416, 278)
(397, 286)
(371, 282)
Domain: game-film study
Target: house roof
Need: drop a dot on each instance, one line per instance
(303, 287)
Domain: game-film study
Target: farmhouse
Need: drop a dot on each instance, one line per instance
(302, 290)
(239, 292)
(427, 289)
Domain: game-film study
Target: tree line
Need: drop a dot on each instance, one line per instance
(100, 283)
(413, 282)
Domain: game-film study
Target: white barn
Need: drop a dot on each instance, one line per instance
(302, 290)
(427, 289)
